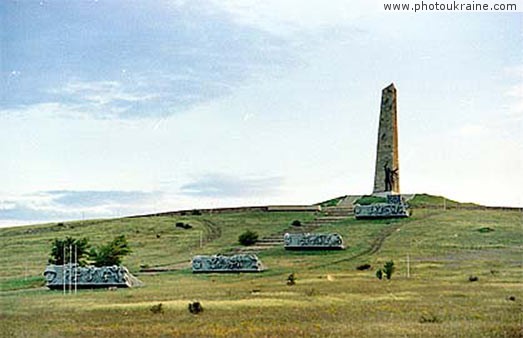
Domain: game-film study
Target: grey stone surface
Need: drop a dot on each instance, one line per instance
(220, 263)
(381, 210)
(386, 177)
(89, 276)
(314, 241)
(395, 199)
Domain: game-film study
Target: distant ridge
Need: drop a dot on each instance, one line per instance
(415, 200)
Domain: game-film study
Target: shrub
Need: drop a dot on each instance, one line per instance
(485, 230)
(248, 238)
(70, 247)
(388, 269)
(291, 280)
(183, 225)
(429, 318)
(158, 308)
(111, 253)
(195, 308)
(296, 223)
(379, 274)
(364, 267)
(196, 212)
(311, 292)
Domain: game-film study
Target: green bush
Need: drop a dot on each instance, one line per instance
(248, 238)
(291, 280)
(388, 269)
(111, 253)
(296, 223)
(69, 250)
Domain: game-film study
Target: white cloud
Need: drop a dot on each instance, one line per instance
(70, 205)
(46, 109)
(287, 16)
(104, 92)
(473, 130)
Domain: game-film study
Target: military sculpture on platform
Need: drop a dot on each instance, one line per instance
(307, 241)
(220, 263)
(74, 276)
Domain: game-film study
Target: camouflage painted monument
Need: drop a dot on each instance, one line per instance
(82, 277)
(394, 207)
(220, 263)
(317, 241)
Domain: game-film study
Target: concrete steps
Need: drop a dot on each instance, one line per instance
(276, 240)
(342, 212)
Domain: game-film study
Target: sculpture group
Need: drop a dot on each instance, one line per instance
(386, 184)
(75, 276)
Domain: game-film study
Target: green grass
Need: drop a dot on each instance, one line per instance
(332, 202)
(367, 200)
(425, 200)
(330, 298)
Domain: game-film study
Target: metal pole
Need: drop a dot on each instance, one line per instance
(70, 267)
(408, 266)
(75, 269)
(63, 268)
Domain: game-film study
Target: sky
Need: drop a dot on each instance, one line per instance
(111, 108)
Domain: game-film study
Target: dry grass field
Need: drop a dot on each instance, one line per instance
(331, 298)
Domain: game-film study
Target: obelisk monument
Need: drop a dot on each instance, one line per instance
(386, 177)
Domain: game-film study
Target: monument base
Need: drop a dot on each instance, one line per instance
(381, 210)
(219, 263)
(306, 241)
(88, 277)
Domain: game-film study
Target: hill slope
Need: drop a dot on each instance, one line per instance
(331, 297)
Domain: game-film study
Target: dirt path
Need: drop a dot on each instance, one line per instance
(212, 232)
(376, 244)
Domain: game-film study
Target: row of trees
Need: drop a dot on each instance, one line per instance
(112, 253)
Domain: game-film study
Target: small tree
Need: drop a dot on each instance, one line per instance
(69, 249)
(248, 238)
(111, 253)
(388, 269)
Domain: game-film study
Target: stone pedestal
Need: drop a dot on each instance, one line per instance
(308, 241)
(381, 210)
(74, 276)
(219, 263)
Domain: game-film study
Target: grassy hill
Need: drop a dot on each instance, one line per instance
(331, 297)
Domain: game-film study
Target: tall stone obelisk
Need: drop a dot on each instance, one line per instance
(386, 177)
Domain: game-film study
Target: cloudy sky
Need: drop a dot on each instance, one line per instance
(112, 108)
